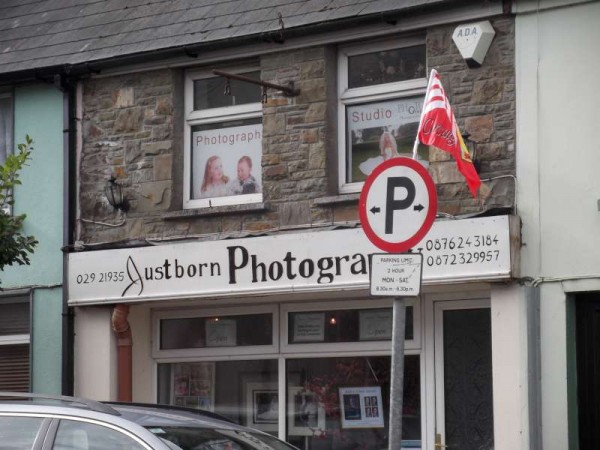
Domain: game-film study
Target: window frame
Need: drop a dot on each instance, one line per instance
(380, 92)
(175, 355)
(293, 350)
(194, 117)
(57, 420)
(20, 339)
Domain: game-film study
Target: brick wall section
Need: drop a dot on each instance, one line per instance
(127, 132)
(132, 128)
(295, 133)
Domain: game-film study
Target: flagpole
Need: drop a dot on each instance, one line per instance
(415, 147)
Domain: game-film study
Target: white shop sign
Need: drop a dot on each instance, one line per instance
(453, 251)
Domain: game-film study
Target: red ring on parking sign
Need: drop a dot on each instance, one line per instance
(406, 243)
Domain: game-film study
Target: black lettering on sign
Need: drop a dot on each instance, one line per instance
(392, 204)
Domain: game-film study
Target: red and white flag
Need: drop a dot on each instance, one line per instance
(438, 128)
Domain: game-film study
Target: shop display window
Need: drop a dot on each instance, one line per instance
(244, 391)
(343, 403)
(321, 401)
(216, 331)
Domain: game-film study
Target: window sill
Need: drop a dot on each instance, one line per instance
(216, 210)
(337, 199)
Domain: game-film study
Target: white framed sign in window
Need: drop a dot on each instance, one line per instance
(223, 140)
(309, 327)
(221, 333)
(381, 90)
(375, 325)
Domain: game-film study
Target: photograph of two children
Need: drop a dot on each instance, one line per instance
(227, 161)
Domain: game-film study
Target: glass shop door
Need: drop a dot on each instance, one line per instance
(463, 375)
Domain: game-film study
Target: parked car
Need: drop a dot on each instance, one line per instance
(44, 422)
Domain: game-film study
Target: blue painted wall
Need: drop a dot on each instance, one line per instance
(39, 113)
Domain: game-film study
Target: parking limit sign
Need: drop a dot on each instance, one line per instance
(397, 205)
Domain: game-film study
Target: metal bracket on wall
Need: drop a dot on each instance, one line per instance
(288, 90)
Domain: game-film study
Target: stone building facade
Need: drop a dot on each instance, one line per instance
(132, 128)
(293, 261)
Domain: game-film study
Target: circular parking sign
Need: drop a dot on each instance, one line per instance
(397, 205)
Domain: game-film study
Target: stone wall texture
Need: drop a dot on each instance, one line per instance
(133, 127)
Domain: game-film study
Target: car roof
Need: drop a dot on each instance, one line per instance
(143, 414)
(158, 408)
(150, 415)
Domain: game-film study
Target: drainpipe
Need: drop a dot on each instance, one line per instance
(68, 87)
(124, 343)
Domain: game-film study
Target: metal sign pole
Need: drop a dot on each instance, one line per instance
(397, 381)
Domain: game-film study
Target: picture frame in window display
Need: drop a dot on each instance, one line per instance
(309, 327)
(226, 161)
(262, 406)
(375, 325)
(306, 415)
(221, 332)
(361, 407)
(193, 385)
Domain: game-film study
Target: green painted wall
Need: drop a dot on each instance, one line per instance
(39, 113)
(46, 341)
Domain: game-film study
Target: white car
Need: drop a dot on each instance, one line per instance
(43, 422)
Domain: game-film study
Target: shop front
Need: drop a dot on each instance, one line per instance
(278, 332)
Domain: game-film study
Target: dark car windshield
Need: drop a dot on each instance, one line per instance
(192, 438)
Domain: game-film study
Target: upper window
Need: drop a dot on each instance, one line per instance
(242, 331)
(381, 90)
(223, 140)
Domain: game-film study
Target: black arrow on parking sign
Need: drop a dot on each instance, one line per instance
(418, 207)
(375, 209)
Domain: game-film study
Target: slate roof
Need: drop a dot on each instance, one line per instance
(46, 33)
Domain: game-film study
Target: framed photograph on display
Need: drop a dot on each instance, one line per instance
(361, 407)
(226, 161)
(306, 416)
(192, 385)
(262, 406)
